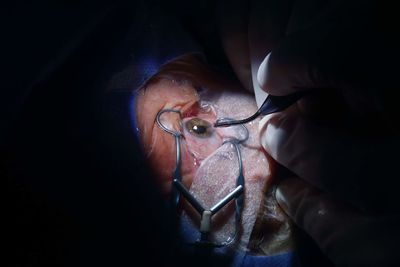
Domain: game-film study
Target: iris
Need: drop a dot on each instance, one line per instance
(199, 128)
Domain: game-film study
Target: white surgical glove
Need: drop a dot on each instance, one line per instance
(347, 236)
(342, 141)
(344, 137)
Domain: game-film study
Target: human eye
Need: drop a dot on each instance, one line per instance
(199, 128)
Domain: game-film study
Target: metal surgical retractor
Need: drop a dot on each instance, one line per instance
(178, 188)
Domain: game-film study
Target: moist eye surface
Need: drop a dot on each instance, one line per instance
(199, 128)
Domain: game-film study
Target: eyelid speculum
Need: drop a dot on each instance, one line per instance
(178, 189)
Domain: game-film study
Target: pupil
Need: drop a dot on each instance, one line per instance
(199, 129)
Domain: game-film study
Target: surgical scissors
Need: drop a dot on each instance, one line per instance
(271, 104)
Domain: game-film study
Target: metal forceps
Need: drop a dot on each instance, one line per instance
(271, 104)
(178, 188)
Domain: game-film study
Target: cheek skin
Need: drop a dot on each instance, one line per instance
(158, 145)
(161, 157)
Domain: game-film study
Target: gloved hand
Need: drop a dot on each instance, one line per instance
(342, 138)
(341, 141)
(347, 236)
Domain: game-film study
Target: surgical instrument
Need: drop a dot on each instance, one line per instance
(270, 105)
(178, 189)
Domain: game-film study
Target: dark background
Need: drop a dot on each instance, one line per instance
(78, 191)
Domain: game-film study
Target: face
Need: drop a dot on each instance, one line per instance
(209, 166)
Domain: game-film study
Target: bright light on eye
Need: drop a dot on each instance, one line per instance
(199, 128)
